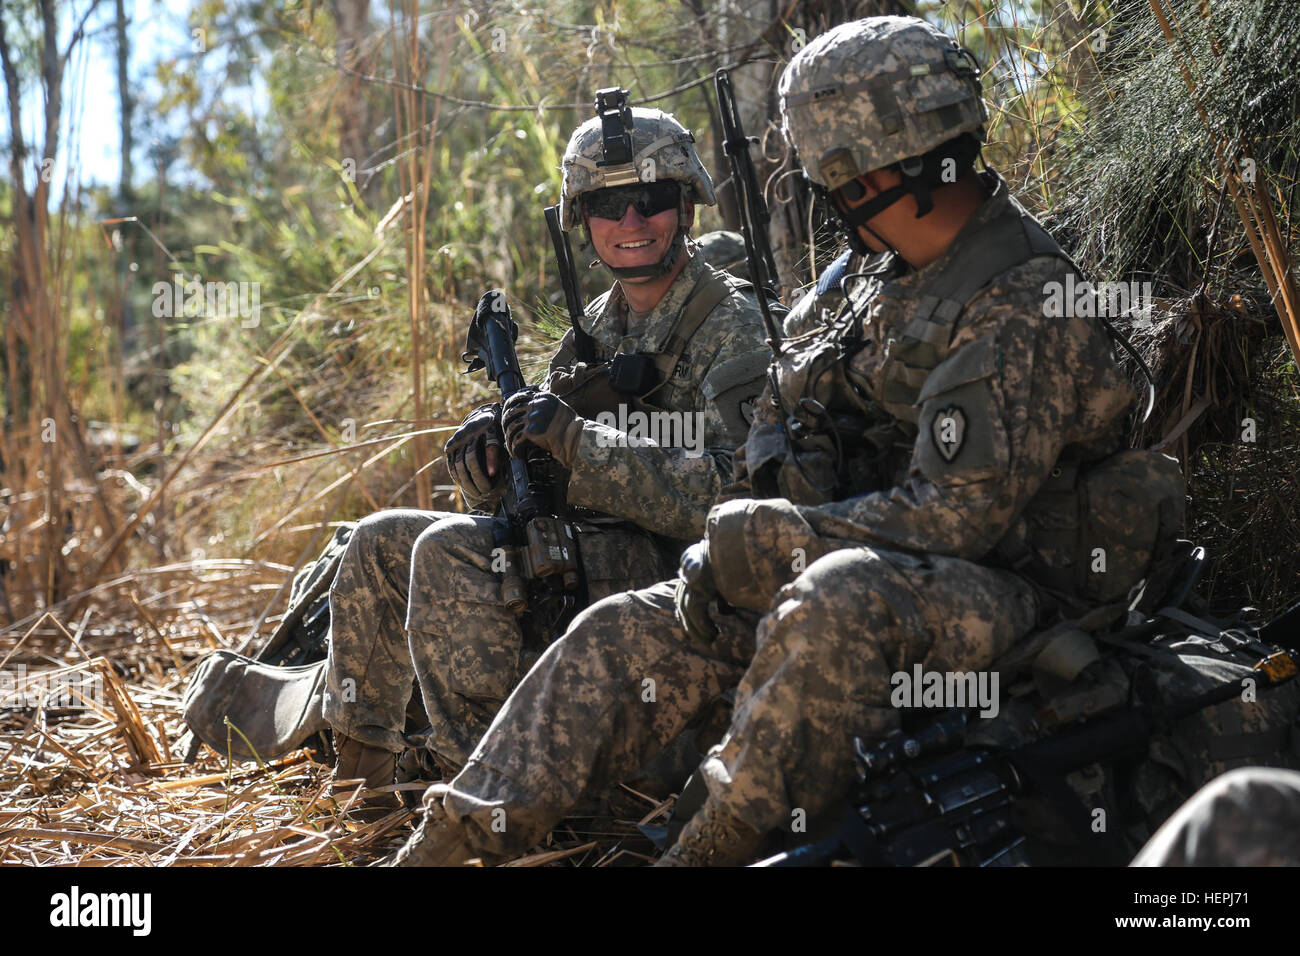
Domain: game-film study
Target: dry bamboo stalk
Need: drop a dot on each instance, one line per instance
(540, 859)
(139, 740)
(79, 836)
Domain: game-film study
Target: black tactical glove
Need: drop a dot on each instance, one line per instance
(539, 418)
(695, 591)
(474, 455)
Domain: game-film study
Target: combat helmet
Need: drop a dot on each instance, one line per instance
(624, 146)
(881, 92)
(725, 251)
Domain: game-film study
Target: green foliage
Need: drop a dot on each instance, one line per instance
(1090, 119)
(1147, 173)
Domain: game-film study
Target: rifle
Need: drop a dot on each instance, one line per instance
(582, 343)
(534, 549)
(925, 798)
(754, 217)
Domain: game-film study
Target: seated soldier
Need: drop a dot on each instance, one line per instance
(914, 491)
(416, 596)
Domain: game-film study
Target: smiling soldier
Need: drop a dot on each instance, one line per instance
(416, 596)
(931, 475)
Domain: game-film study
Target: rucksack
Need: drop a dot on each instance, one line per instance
(273, 699)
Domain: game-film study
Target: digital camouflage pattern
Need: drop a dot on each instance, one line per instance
(1022, 391)
(1247, 817)
(662, 148)
(721, 375)
(876, 570)
(626, 679)
(416, 596)
(1255, 728)
(416, 599)
(1064, 675)
(867, 94)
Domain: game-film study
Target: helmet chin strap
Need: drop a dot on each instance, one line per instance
(861, 215)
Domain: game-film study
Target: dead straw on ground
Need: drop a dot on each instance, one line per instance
(96, 777)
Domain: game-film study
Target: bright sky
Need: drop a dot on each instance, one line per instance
(158, 30)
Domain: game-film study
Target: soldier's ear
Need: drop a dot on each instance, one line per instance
(688, 216)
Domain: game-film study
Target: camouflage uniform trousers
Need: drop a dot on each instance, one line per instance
(415, 598)
(813, 673)
(1246, 817)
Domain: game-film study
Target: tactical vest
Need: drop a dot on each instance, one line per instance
(1073, 539)
(1008, 241)
(593, 393)
(847, 452)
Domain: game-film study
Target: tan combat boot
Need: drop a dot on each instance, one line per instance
(373, 765)
(436, 841)
(713, 838)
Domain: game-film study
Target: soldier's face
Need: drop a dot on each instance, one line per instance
(634, 240)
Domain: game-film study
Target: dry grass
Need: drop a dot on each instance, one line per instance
(107, 785)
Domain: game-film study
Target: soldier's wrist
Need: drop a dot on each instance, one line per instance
(566, 449)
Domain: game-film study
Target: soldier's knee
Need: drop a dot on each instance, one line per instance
(605, 616)
(450, 539)
(600, 632)
(849, 578)
(371, 529)
(375, 533)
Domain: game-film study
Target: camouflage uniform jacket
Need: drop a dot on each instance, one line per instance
(962, 412)
(668, 490)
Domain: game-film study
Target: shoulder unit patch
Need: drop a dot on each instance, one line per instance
(948, 430)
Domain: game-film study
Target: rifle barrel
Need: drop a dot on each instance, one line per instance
(582, 343)
(749, 202)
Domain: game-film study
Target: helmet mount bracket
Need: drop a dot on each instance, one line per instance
(616, 137)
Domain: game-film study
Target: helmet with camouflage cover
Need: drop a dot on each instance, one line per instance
(875, 92)
(662, 148)
(726, 251)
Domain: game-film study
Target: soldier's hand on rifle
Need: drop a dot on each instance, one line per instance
(539, 418)
(695, 591)
(474, 455)
(565, 379)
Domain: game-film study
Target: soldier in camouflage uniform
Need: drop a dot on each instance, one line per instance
(416, 596)
(1247, 817)
(914, 492)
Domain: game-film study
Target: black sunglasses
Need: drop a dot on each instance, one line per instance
(649, 199)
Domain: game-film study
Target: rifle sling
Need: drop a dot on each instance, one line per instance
(708, 292)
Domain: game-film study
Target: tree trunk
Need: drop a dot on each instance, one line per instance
(351, 19)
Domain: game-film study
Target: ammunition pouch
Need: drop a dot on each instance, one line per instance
(592, 391)
(848, 455)
(1095, 530)
(631, 374)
